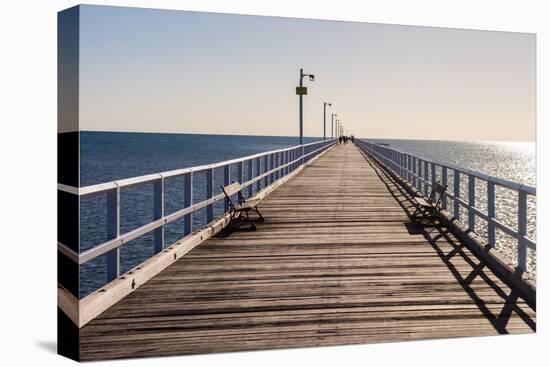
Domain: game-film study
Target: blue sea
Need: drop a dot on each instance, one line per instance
(108, 156)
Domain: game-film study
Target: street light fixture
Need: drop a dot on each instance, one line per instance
(301, 90)
(325, 104)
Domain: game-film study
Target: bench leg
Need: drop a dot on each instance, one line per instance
(246, 218)
(252, 225)
(419, 213)
(236, 217)
(231, 219)
(260, 214)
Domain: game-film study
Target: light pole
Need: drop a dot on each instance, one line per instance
(332, 125)
(301, 90)
(325, 119)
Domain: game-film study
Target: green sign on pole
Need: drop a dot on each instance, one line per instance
(301, 91)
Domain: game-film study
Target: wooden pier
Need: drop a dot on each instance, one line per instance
(337, 261)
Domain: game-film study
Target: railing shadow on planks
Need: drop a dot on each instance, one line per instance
(422, 174)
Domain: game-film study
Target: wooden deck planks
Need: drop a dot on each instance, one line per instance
(336, 262)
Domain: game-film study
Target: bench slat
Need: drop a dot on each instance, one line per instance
(232, 189)
(422, 201)
(249, 204)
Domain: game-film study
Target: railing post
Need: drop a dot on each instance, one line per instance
(405, 162)
(287, 159)
(432, 173)
(187, 202)
(406, 167)
(158, 212)
(226, 181)
(456, 194)
(277, 164)
(444, 183)
(522, 230)
(271, 166)
(397, 164)
(490, 213)
(414, 170)
(471, 202)
(258, 173)
(209, 194)
(400, 157)
(113, 231)
(409, 165)
(250, 187)
(426, 178)
(418, 183)
(266, 169)
(240, 172)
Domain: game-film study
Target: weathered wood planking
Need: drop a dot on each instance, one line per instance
(336, 262)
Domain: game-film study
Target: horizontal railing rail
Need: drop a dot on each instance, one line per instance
(421, 174)
(266, 167)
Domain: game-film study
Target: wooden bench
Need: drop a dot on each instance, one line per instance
(427, 209)
(243, 207)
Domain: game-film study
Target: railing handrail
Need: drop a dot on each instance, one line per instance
(409, 168)
(138, 180)
(282, 162)
(497, 180)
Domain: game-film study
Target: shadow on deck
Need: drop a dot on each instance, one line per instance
(432, 233)
(337, 261)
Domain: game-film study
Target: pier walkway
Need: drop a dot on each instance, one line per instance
(337, 261)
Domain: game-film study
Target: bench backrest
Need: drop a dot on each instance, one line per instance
(439, 188)
(437, 193)
(232, 189)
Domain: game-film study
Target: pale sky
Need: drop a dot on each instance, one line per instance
(190, 72)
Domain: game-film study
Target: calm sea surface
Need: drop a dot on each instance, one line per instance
(106, 156)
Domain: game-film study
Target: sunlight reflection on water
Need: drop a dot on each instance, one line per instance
(514, 161)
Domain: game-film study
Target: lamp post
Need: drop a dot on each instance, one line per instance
(332, 125)
(301, 90)
(325, 104)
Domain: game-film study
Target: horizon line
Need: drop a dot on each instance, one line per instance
(305, 136)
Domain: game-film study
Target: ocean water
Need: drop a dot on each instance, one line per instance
(514, 161)
(108, 156)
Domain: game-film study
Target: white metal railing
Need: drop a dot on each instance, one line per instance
(421, 174)
(276, 164)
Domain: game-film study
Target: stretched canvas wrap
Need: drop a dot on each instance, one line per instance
(233, 183)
